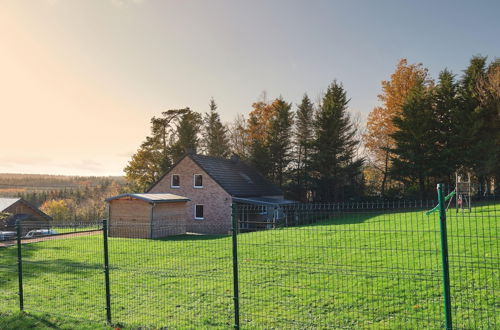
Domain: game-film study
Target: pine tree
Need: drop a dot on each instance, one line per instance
(482, 121)
(415, 139)
(448, 138)
(304, 129)
(333, 163)
(187, 134)
(238, 137)
(215, 134)
(279, 140)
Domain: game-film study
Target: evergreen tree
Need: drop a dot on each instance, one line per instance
(239, 137)
(187, 134)
(482, 122)
(333, 162)
(279, 140)
(448, 139)
(215, 134)
(304, 129)
(415, 139)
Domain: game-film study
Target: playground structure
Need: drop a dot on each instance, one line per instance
(462, 193)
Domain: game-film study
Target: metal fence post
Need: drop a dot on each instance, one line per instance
(444, 255)
(235, 267)
(106, 270)
(20, 265)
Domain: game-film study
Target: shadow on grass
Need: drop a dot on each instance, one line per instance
(32, 268)
(25, 320)
(192, 237)
(352, 217)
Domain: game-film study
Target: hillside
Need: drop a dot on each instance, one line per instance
(13, 183)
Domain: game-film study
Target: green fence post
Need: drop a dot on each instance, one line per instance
(106, 270)
(444, 255)
(235, 267)
(20, 265)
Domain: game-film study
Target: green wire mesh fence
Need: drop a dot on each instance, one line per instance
(344, 265)
(473, 243)
(332, 265)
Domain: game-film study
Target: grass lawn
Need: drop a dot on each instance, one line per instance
(45, 321)
(353, 270)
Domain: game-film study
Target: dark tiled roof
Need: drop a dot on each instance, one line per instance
(236, 177)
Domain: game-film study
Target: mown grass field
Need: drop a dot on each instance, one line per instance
(363, 269)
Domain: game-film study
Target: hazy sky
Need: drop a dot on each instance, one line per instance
(79, 80)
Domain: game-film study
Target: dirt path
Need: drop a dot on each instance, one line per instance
(49, 238)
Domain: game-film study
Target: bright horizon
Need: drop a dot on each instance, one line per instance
(81, 79)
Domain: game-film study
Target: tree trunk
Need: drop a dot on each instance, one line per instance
(384, 179)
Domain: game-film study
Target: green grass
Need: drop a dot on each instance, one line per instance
(45, 321)
(353, 270)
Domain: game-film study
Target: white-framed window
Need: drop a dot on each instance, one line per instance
(198, 181)
(176, 181)
(198, 212)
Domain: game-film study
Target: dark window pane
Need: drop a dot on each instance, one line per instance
(175, 181)
(199, 211)
(198, 181)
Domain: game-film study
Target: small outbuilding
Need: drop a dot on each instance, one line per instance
(147, 215)
(17, 208)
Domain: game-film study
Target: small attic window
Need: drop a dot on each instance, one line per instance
(198, 181)
(176, 181)
(246, 177)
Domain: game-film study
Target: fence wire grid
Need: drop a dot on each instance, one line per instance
(344, 265)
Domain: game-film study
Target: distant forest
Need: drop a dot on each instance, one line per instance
(65, 198)
(422, 132)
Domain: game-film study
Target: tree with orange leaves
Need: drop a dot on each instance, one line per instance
(379, 128)
(258, 127)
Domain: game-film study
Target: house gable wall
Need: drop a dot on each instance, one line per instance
(215, 200)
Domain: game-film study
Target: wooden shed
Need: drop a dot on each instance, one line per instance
(147, 215)
(18, 208)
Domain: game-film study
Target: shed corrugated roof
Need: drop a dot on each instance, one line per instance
(7, 202)
(263, 201)
(236, 177)
(153, 198)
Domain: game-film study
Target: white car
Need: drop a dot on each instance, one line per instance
(40, 232)
(7, 235)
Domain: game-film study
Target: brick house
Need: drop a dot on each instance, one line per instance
(212, 184)
(18, 208)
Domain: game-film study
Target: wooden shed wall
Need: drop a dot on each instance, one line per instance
(129, 218)
(169, 219)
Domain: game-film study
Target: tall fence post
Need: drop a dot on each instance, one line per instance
(444, 255)
(20, 265)
(235, 267)
(106, 270)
